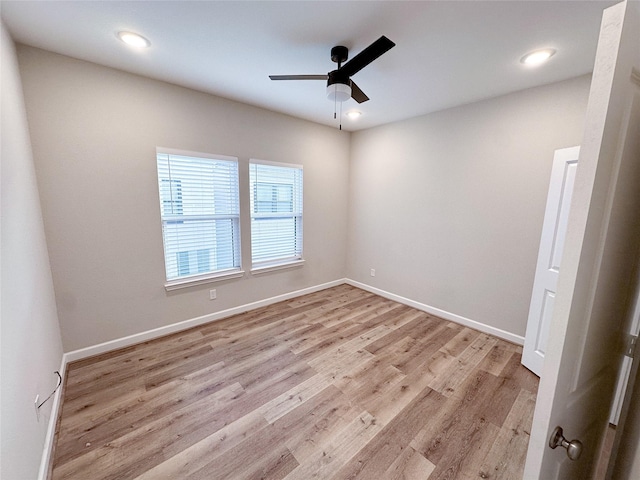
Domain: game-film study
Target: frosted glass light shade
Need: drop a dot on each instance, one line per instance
(338, 92)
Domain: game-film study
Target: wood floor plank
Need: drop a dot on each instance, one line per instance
(386, 408)
(314, 424)
(292, 398)
(120, 399)
(341, 449)
(374, 307)
(353, 345)
(385, 381)
(200, 454)
(80, 436)
(337, 384)
(307, 446)
(496, 359)
(460, 342)
(521, 376)
(248, 462)
(381, 452)
(467, 360)
(420, 327)
(409, 465)
(338, 310)
(487, 396)
(462, 443)
(168, 432)
(130, 354)
(506, 457)
(111, 377)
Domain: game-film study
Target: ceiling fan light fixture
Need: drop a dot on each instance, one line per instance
(338, 92)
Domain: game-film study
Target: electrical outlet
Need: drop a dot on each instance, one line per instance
(212, 294)
(36, 402)
(373, 272)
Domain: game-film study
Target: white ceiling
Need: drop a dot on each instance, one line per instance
(447, 53)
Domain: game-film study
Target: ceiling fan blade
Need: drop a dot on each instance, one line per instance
(298, 77)
(357, 94)
(368, 55)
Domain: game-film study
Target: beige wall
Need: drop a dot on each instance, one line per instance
(94, 132)
(448, 207)
(31, 348)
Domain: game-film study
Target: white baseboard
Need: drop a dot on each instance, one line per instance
(467, 322)
(193, 322)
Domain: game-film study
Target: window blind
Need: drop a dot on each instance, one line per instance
(200, 212)
(276, 213)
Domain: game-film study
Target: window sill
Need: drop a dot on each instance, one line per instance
(280, 266)
(202, 279)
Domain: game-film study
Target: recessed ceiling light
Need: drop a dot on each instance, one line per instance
(353, 114)
(538, 57)
(133, 39)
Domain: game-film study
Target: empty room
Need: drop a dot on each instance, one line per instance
(320, 239)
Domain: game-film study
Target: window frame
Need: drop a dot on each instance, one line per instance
(265, 266)
(199, 278)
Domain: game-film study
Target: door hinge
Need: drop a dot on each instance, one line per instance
(630, 346)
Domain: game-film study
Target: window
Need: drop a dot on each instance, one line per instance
(171, 195)
(276, 214)
(200, 212)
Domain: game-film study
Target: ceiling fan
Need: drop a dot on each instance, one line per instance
(340, 87)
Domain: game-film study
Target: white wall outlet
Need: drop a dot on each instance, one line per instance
(36, 402)
(212, 294)
(373, 272)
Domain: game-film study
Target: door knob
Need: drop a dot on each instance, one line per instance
(574, 447)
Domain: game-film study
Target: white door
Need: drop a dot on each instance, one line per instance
(584, 350)
(554, 228)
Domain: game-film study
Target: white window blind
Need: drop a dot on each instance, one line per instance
(276, 213)
(200, 211)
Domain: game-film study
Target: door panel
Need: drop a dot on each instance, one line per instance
(568, 177)
(545, 321)
(554, 229)
(584, 350)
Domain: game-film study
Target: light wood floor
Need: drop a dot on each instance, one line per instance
(338, 384)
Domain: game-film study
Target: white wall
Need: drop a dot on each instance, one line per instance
(448, 207)
(31, 348)
(94, 132)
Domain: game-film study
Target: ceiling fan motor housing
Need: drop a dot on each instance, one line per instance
(337, 76)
